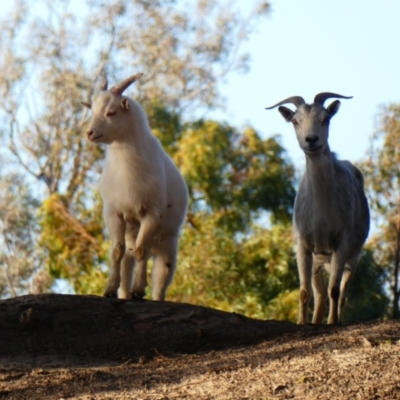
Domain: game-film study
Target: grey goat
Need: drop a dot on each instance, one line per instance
(331, 214)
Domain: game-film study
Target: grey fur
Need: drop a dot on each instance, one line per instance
(331, 214)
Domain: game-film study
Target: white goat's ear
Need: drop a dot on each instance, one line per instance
(286, 113)
(333, 108)
(125, 104)
(87, 105)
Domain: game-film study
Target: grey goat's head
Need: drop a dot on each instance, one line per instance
(311, 122)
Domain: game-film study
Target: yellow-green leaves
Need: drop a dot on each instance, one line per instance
(74, 249)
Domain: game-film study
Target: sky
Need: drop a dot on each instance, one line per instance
(306, 47)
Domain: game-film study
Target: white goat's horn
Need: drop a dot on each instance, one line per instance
(103, 83)
(321, 97)
(296, 100)
(119, 88)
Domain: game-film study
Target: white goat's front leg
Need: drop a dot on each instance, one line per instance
(128, 262)
(116, 227)
(348, 273)
(148, 227)
(335, 279)
(320, 293)
(138, 289)
(164, 267)
(304, 265)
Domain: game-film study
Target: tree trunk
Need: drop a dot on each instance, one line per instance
(396, 292)
(94, 329)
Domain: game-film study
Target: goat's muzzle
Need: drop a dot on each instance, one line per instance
(92, 136)
(312, 144)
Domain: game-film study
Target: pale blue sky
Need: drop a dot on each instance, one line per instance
(350, 47)
(304, 47)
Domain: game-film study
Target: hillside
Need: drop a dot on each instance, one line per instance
(230, 356)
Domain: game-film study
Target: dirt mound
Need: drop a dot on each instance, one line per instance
(348, 362)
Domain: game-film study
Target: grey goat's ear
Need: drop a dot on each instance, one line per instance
(286, 113)
(125, 104)
(87, 105)
(333, 108)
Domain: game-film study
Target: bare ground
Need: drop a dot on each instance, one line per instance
(350, 362)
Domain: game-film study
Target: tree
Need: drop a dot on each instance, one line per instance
(236, 179)
(20, 259)
(367, 298)
(236, 247)
(382, 177)
(50, 59)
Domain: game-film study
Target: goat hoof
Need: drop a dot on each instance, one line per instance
(137, 295)
(111, 295)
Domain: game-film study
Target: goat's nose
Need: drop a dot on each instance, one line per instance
(89, 133)
(312, 139)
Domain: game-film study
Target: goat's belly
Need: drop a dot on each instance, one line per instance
(319, 242)
(321, 259)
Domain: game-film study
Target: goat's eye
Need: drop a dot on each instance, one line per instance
(325, 121)
(110, 113)
(294, 122)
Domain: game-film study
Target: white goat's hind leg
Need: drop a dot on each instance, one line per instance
(304, 265)
(320, 293)
(349, 271)
(335, 278)
(116, 227)
(164, 267)
(148, 227)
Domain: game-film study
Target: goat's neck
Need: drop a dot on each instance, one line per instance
(139, 139)
(320, 177)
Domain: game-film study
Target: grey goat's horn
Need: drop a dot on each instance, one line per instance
(296, 100)
(321, 97)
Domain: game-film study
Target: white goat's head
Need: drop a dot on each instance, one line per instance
(311, 122)
(110, 112)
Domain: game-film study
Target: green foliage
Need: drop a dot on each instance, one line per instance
(238, 275)
(382, 178)
(226, 260)
(235, 175)
(74, 249)
(20, 260)
(367, 299)
(51, 56)
(236, 246)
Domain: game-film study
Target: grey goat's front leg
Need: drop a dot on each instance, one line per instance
(320, 293)
(334, 287)
(304, 265)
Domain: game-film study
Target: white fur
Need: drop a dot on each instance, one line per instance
(145, 197)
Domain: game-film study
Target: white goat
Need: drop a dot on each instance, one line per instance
(331, 214)
(145, 197)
